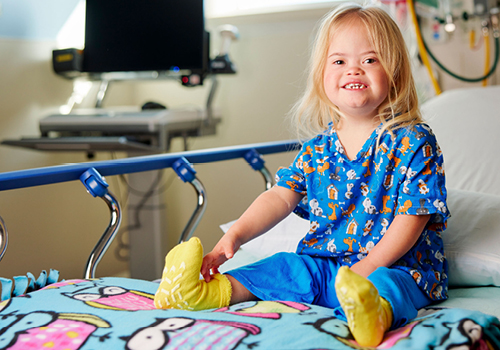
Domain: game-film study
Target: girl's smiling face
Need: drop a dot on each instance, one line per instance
(354, 79)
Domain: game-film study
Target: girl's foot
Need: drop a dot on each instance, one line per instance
(181, 286)
(369, 316)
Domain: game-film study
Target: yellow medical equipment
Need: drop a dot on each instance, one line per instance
(490, 20)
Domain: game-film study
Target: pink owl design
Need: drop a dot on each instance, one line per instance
(392, 337)
(40, 330)
(117, 298)
(186, 333)
(64, 283)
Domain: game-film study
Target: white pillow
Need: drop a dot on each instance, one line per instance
(466, 122)
(471, 241)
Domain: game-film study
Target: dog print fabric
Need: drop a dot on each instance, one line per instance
(350, 203)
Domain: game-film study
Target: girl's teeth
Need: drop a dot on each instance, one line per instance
(355, 86)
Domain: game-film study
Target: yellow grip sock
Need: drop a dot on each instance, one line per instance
(181, 286)
(368, 315)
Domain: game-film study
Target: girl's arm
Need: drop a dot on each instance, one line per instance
(402, 234)
(265, 212)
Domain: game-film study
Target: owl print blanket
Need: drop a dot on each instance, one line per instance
(118, 313)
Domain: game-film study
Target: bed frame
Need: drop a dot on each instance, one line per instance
(92, 174)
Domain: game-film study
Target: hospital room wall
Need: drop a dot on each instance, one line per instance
(57, 225)
(54, 226)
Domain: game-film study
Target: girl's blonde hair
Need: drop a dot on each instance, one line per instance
(312, 113)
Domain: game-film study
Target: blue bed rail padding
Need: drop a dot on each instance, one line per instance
(94, 182)
(255, 159)
(71, 172)
(184, 170)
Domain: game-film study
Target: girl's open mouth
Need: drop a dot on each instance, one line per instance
(356, 86)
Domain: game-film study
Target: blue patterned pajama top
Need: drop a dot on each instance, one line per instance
(351, 203)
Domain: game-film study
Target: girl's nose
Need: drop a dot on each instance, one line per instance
(354, 70)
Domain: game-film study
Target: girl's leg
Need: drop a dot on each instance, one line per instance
(182, 288)
(240, 292)
(400, 290)
(283, 276)
(291, 277)
(389, 298)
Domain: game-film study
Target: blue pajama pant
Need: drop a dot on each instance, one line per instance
(307, 279)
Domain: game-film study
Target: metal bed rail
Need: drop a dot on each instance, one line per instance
(71, 172)
(91, 175)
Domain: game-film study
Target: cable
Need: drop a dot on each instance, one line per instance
(137, 223)
(154, 189)
(456, 76)
(472, 39)
(468, 80)
(421, 46)
(486, 35)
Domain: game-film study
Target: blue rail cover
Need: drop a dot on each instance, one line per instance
(71, 172)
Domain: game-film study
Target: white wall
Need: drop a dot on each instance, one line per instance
(45, 222)
(53, 226)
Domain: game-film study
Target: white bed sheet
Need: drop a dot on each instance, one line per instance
(484, 299)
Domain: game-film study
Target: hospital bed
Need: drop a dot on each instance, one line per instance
(97, 312)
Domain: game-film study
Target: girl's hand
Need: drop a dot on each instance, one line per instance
(402, 234)
(266, 211)
(223, 251)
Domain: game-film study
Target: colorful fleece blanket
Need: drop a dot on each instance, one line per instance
(118, 313)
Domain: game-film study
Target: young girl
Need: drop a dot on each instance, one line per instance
(374, 186)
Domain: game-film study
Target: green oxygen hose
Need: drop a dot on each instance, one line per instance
(469, 80)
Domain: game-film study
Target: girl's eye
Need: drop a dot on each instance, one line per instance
(370, 60)
(338, 62)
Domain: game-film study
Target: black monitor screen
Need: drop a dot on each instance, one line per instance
(152, 35)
